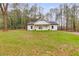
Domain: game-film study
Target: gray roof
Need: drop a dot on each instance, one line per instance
(30, 23)
(51, 22)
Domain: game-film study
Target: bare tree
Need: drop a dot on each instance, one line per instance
(4, 7)
(60, 15)
(73, 10)
(66, 14)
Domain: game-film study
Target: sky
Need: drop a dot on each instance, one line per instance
(47, 6)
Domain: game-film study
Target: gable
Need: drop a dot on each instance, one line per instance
(40, 22)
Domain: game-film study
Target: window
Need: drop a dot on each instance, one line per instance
(31, 27)
(46, 26)
(52, 27)
(40, 27)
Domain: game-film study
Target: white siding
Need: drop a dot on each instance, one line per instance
(43, 27)
(41, 23)
(49, 27)
(29, 27)
(54, 27)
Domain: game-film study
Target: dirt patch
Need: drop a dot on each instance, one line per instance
(76, 33)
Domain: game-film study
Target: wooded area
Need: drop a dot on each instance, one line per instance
(16, 16)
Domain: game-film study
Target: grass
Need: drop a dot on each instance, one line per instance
(38, 43)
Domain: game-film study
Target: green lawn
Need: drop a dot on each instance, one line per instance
(46, 43)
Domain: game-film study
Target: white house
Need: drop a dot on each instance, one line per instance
(42, 25)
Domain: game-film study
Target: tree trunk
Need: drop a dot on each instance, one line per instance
(74, 27)
(61, 23)
(3, 7)
(5, 22)
(66, 24)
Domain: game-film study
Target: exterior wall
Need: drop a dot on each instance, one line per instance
(54, 27)
(43, 27)
(29, 27)
(48, 27)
